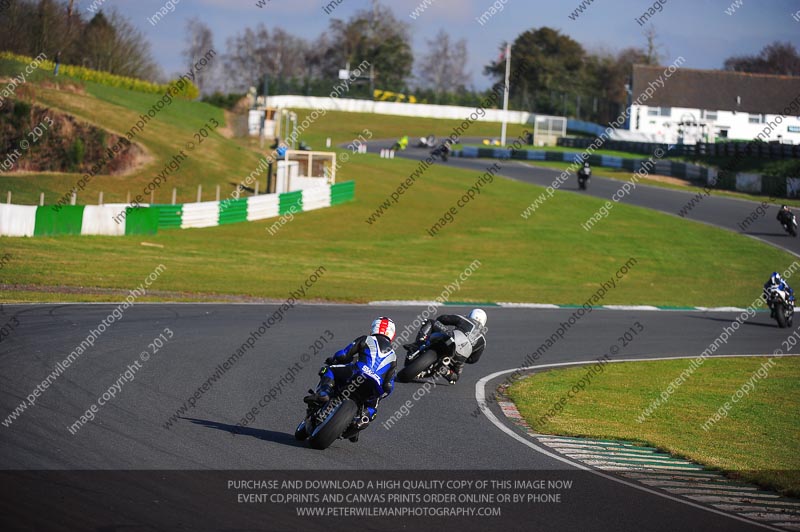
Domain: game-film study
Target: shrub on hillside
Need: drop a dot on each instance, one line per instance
(189, 91)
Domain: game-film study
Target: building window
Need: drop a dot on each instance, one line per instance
(711, 116)
(659, 111)
(756, 119)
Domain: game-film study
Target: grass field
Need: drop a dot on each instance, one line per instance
(758, 440)
(547, 258)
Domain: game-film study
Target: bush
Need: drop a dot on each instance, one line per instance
(224, 101)
(20, 114)
(76, 154)
(783, 168)
(190, 90)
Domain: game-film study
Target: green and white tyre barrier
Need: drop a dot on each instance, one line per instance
(25, 220)
(48, 220)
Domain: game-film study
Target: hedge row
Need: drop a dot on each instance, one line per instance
(189, 91)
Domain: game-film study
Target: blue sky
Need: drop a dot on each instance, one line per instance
(698, 30)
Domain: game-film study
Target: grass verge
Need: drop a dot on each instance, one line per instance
(547, 258)
(757, 441)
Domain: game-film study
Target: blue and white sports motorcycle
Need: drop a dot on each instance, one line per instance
(781, 305)
(351, 405)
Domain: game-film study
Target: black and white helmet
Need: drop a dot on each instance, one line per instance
(479, 316)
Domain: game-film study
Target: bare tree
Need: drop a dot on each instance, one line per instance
(254, 54)
(199, 40)
(132, 55)
(653, 50)
(776, 58)
(457, 66)
(321, 60)
(242, 65)
(443, 69)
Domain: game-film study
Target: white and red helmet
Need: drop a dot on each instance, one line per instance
(384, 326)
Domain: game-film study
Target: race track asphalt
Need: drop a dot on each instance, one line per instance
(440, 432)
(726, 212)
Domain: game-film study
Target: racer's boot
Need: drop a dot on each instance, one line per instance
(323, 393)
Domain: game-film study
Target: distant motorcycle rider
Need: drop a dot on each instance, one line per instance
(442, 150)
(467, 347)
(340, 367)
(775, 280)
(584, 173)
(785, 216)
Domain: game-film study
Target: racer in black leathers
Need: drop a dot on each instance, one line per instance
(440, 332)
(442, 150)
(584, 174)
(785, 216)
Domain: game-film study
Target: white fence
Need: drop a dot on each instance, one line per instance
(420, 110)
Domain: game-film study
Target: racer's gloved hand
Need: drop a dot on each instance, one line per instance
(330, 361)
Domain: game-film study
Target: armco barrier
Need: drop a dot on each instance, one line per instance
(27, 220)
(233, 211)
(316, 198)
(291, 202)
(778, 187)
(203, 214)
(342, 192)
(261, 207)
(169, 216)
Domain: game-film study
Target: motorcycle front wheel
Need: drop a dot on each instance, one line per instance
(780, 315)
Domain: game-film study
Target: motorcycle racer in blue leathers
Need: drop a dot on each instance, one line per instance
(780, 283)
(372, 355)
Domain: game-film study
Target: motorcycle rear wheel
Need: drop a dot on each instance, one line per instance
(334, 425)
(414, 368)
(300, 433)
